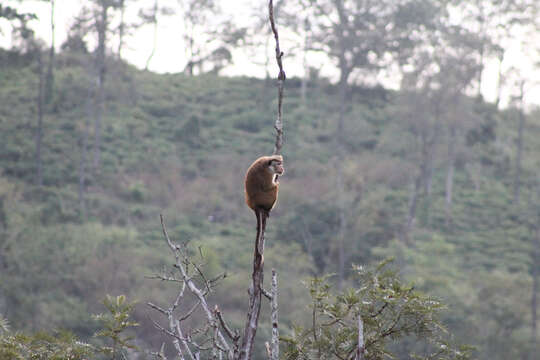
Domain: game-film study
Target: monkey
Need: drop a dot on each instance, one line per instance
(262, 185)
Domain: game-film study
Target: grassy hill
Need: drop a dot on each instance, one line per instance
(180, 146)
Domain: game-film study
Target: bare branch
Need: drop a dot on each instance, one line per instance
(182, 262)
(176, 342)
(184, 341)
(266, 294)
(274, 316)
(163, 278)
(161, 328)
(255, 290)
(190, 312)
(234, 337)
(281, 81)
(268, 350)
(360, 348)
(171, 245)
(157, 308)
(160, 354)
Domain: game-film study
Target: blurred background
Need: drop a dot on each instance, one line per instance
(412, 130)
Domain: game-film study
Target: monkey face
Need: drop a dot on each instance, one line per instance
(276, 166)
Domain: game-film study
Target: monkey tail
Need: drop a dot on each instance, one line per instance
(261, 215)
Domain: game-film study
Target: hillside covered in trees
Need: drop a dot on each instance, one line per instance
(93, 149)
(180, 145)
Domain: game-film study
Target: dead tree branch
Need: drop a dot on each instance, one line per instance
(360, 347)
(256, 290)
(281, 82)
(185, 344)
(274, 315)
(188, 269)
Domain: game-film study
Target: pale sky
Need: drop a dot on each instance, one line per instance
(170, 55)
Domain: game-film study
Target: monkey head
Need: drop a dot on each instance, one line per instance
(275, 165)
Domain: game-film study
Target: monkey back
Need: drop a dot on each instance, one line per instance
(261, 191)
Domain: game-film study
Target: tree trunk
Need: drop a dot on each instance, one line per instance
(519, 144)
(303, 84)
(450, 173)
(345, 70)
(83, 161)
(39, 131)
(535, 272)
(342, 222)
(121, 28)
(154, 42)
(411, 215)
(84, 145)
(101, 68)
(480, 71)
(499, 79)
(482, 31)
(360, 346)
(49, 84)
(191, 63)
(426, 167)
(534, 298)
(340, 151)
(255, 290)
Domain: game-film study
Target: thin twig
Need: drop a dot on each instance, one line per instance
(176, 341)
(163, 311)
(188, 314)
(266, 294)
(281, 81)
(161, 328)
(268, 350)
(234, 337)
(163, 278)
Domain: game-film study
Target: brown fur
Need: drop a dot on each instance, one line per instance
(261, 189)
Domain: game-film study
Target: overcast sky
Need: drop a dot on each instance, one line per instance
(170, 54)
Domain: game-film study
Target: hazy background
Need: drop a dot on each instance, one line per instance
(519, 44)
(412, 131)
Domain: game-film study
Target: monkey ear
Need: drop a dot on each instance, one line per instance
(270, 162)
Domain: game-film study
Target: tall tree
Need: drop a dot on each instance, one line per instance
(535, 266)
(495, 23)
(360, 37)
(457, 67)
(101, 25)
(49, 80)
(519, 141)
(121, 28)
(207, 42)
(195, 14)
(151, 16)
(40, 111)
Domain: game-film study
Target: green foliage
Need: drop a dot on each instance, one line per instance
(4, 325)
(115, 323)
(64, 345)
(390, 311)
(180, 145)
(44, 346)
